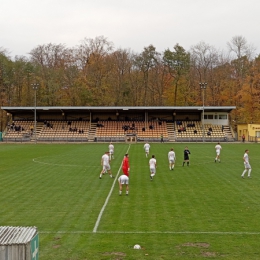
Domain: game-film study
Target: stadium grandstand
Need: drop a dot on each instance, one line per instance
(117, 124)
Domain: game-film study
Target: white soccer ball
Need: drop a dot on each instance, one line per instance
(137, 247)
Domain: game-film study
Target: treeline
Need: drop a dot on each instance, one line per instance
(96, 74)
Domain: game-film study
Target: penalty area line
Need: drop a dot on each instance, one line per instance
(108, 197)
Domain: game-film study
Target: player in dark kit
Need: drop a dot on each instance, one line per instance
(186, 156)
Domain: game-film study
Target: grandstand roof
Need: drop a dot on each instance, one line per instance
(13, 110)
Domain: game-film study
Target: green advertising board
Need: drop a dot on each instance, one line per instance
(35, 247)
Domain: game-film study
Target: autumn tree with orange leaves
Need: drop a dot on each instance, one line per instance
(96, 74)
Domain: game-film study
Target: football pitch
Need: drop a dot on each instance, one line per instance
(204, 211)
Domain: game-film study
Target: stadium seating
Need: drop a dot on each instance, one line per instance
(116, 131)
(64, 130)
(19, 131)
(194, 131)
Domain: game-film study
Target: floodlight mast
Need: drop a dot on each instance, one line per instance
(35, 88)
(203, 86)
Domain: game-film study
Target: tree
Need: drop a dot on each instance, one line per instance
(94, 58)
(249, 95)
(120, 77)
(51, 60)
(238, 44)
(144, 62)
(204, 60)
(177, 63)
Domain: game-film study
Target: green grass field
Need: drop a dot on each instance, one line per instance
(204, 211)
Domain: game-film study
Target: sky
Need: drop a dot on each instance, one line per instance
(128, 24)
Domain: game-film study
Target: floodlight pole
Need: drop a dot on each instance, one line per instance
(35, 87)
(203, 86)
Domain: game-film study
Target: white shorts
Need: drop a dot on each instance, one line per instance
(147, 150)
(111, 151)
(172, 161)
(247, 165)
(123, 179)
(218, 153)
(106, 167)
(153, 170)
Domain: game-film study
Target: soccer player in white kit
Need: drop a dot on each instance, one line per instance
(152, 164)
(105, 162)
(111, 150)
(218, 148)
(247, 165)
(171, 158)
(146, 149)
(123, 180)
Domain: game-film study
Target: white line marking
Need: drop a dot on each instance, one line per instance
(108, 197)
(153, 232)
(67, 165)
(55, 164)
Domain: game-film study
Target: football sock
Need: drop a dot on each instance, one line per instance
(127, 192)
(120, 192)
(249, 172)
(243, 173)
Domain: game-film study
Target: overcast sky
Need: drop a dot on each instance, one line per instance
(129, 24)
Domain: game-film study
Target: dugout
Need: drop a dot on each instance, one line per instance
(19, 243)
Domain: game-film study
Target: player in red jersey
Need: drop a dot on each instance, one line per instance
(125, 165)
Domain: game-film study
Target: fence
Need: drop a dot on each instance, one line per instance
(19, 243)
